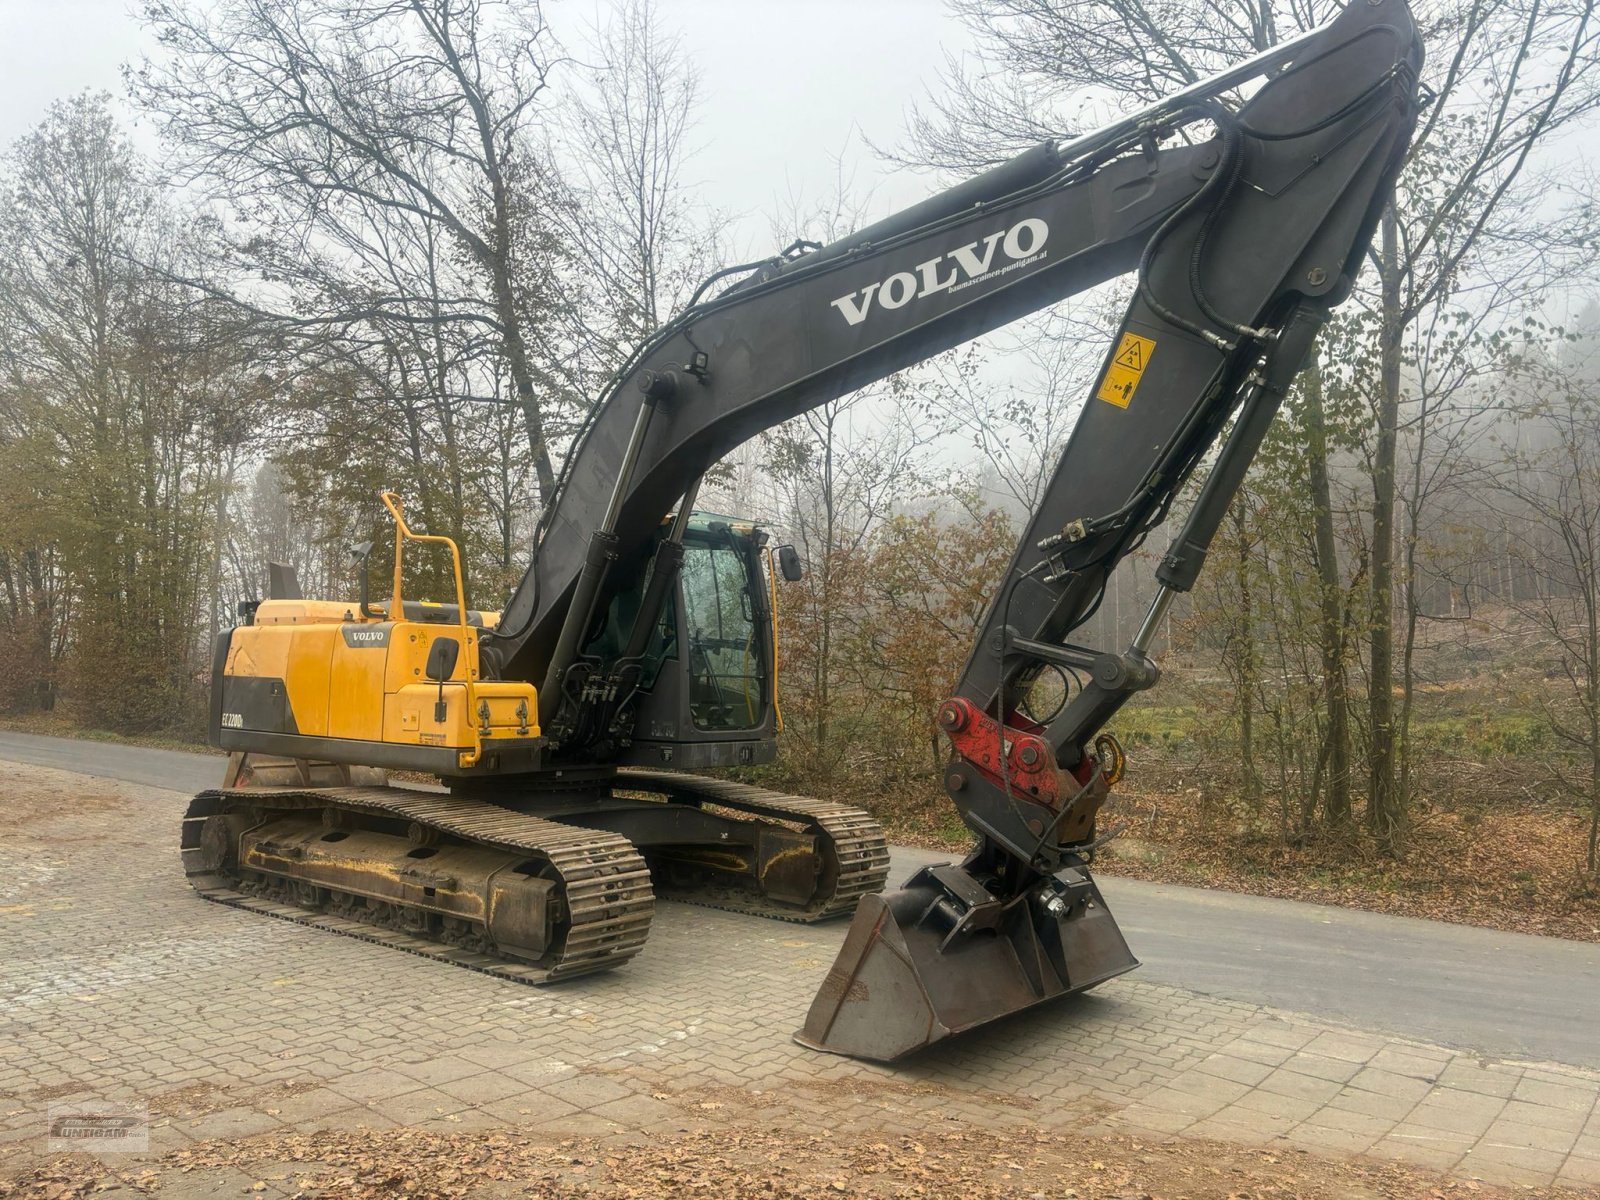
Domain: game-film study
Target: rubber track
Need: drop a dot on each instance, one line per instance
(857, 840)
(606, 885)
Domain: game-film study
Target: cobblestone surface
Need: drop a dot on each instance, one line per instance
(119, 984)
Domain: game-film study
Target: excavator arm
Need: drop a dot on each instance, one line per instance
(1242, 243)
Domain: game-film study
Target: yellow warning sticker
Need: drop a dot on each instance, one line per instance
(1125, 370)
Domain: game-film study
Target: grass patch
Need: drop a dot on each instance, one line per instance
(1483, 734)
(1149, 724)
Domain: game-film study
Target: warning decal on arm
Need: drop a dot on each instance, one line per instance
(1125, 369)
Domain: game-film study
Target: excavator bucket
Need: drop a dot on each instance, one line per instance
(942, 955)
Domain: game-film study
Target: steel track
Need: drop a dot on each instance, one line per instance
(856, 854)
(605, 884)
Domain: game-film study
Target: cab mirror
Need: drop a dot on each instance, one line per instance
(442, 656)
(789, 564)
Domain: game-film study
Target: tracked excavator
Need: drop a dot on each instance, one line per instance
(570, 731)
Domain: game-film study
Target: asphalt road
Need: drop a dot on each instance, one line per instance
(1504, 994)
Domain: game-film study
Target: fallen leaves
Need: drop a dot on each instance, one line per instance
(1509, 865)
(752, 1161)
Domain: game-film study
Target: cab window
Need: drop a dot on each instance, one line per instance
(723, 648)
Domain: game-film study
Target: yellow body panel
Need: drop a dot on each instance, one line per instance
(360, 680)
(303, 612)
(408, 713)
(409, 643)
(298, 655)
(355, 681)
(309, 651)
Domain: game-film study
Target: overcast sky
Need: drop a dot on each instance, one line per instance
(787, 84)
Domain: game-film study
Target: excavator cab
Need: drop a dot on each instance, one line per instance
(698, 688)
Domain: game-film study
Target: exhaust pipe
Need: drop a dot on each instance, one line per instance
(943, 955)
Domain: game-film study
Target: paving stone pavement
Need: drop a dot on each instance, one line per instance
(119, 984)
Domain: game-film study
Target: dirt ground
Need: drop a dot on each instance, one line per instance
(758, 1160)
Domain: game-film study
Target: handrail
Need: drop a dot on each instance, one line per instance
(403, 533)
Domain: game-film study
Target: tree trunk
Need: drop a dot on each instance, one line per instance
(516, 352)
(1384, 813)
(1335, 693)
(1247, 665)
(1408, 651)
(825, 642)
(1592, 859)
(1591, 684)
(220, 534)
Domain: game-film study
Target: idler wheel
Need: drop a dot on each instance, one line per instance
(219, 840)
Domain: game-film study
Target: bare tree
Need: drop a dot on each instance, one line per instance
(840, 471)
(625, 142)
(343, 131)
(1473, 168)
(1016, 425)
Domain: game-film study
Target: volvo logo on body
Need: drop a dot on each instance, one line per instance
(1023, 243)
(367, 636)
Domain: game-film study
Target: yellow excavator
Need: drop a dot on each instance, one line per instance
(570, 732)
